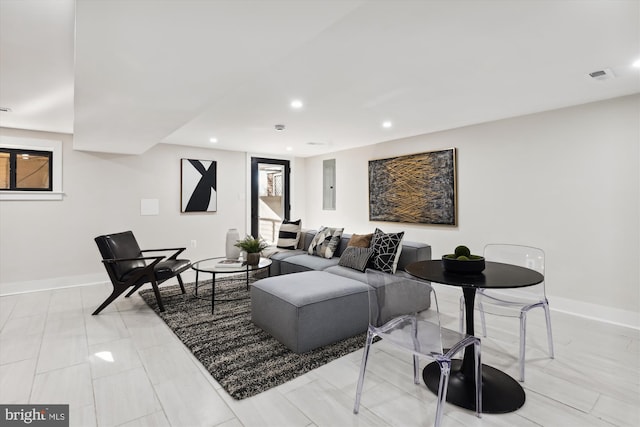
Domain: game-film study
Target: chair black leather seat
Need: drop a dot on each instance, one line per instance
(167, 269)
(128, 268)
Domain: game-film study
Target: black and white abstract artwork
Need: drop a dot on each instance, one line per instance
(198, 185)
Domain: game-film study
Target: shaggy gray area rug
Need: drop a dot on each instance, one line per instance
(243, 358)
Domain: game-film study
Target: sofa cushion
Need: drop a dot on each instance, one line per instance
(349, 273)
(412, 252)
(306, 262)
(387, 248)
(309, 310)
(356, 258)
(325, 242)
(360, 240)
(289, 234)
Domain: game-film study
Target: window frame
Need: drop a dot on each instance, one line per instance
(13, 168)
(55, 165)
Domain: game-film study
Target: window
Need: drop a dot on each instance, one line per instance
(30, 169)
(25, 170)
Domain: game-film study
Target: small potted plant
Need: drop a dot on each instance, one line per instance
(253, 247)
(463, 262)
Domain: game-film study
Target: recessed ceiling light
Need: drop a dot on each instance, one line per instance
(387, 124)
(289, 148)
(637, 64)
(296, 104)
(213, 140)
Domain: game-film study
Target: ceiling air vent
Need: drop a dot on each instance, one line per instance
(605, 74)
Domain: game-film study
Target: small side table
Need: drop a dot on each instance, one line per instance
(211, 266)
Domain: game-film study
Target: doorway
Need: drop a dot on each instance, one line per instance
(269, 197)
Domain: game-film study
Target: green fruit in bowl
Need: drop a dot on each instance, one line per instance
(462, 258)
(451, 256)
(462, 251)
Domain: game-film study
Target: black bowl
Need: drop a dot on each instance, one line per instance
(471, 266)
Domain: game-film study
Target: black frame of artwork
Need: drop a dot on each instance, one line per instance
(417, 188)
(198, 191)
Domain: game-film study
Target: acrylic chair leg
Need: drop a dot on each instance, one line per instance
(478, 367)
(482, 320)
(363, 368)
(416, 347)
(416, 369)
(523, 341)
(445, 369)
(547, 316)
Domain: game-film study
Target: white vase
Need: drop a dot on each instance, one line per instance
(232, 251)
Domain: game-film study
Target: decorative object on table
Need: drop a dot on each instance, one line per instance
(419, 188)
(289, 234)
(230, 264)
(229, 345)
(325, 242)
(198, 185)
(253, 247)
(463, 262)
(232, 251)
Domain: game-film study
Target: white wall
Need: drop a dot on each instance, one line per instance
(50, 243)
(565, 180)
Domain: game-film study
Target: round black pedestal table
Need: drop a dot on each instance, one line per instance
(500, 392)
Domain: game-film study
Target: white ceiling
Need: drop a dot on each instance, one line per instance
(135, 73)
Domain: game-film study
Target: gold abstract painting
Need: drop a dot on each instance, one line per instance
(418, 188)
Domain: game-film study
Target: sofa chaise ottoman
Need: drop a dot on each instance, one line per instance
(310, 309)
(311, 301)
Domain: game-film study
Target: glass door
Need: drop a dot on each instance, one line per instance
(269, 197)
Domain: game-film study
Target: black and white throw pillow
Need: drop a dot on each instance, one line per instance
(386, 250)
(356, 257)
(325, 242)
(289, 234)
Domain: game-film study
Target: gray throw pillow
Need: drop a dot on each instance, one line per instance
(356, 258)
(325, 242)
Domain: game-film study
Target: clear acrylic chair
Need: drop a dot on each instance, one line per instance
(514, 302)
(399, 313)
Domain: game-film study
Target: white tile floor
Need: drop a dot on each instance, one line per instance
(126, 368)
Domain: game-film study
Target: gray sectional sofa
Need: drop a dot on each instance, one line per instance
(309, 301)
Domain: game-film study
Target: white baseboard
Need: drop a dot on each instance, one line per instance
(602, 313)
(11, 288)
